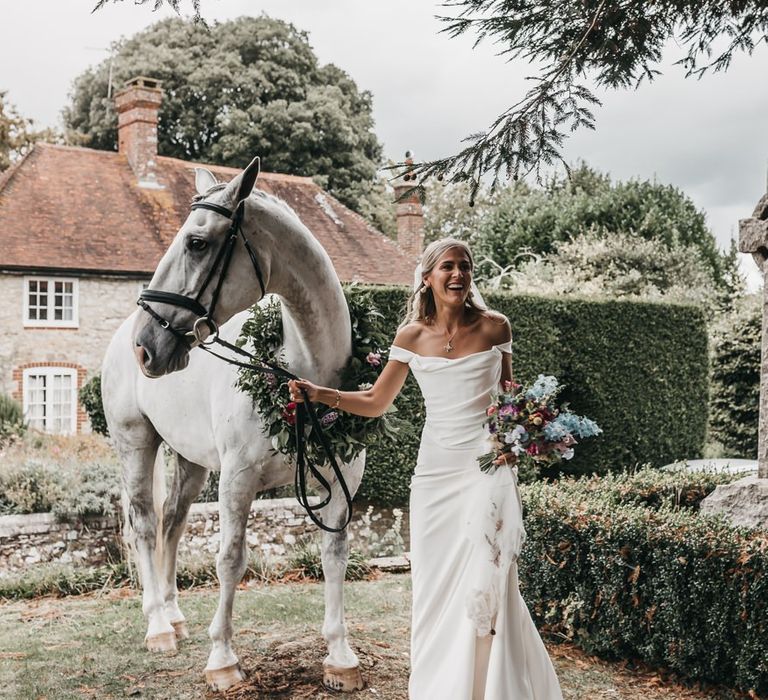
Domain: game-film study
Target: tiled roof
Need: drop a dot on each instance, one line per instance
(65, 208)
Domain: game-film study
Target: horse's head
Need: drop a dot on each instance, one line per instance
(209, 273)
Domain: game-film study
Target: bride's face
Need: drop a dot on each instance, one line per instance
(451, 277)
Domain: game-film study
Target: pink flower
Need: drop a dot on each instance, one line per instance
(490, 410)
(373, 359)
(508, 409)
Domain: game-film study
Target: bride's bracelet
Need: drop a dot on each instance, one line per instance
(338, 399)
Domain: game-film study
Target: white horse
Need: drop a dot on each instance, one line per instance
(208, 423)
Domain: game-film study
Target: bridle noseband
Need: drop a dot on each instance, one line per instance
(197, 335)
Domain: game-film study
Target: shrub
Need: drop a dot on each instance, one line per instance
(668, 586)
(11, 419)
(735, 403)
(93, 489)
(90, 398)
(649, 487)
(30, 488)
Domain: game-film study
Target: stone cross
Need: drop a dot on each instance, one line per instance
(753, 238)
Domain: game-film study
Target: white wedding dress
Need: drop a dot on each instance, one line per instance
(447, 561)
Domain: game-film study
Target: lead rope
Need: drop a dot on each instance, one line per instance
(303, 464)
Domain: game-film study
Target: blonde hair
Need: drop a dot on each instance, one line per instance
(421, 304)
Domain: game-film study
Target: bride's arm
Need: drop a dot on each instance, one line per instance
(370, 403)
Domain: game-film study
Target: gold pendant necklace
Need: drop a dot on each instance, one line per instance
(448, 347)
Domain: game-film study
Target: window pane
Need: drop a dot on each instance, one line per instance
(36, 391)
(63, 301)
(38, 300)
(61, 404)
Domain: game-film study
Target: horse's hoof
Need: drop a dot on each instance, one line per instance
(342, 679)
(166, 641)
(180, 628)
(223, 678)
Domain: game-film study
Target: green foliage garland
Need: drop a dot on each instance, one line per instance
(348, 434)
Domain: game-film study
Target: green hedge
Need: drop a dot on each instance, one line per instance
(666, 585)
(735, 405)
(639, 369)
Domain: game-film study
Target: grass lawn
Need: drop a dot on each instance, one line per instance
(92, 647)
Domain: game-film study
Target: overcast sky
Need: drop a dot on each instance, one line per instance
(708, 137)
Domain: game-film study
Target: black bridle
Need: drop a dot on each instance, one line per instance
(223, 258)
(197, 336)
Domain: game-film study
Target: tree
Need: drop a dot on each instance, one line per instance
(250, 85)
(17, 134)
(521, 217)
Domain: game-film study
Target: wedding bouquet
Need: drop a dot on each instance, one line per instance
(527, 423)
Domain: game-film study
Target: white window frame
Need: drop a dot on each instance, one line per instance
(74, 322)
(49, 372)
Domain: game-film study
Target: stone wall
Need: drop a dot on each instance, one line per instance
(273, 527)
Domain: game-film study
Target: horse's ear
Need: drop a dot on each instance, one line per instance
(204, 180)
(245, 181)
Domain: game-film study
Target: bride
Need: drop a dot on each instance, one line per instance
(460, 353)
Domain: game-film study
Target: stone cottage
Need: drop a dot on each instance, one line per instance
(81, 232)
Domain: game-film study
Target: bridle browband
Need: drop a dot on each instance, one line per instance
(197, 337)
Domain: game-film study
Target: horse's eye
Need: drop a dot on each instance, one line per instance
(197, 244)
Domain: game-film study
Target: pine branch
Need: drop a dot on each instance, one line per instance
(175, 4)
(618, 44)
(527, 135)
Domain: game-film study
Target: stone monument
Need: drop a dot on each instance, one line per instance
(745, 502)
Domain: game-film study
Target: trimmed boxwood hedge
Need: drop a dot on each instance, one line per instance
(735, 404)
(665, 585)
(639, 369)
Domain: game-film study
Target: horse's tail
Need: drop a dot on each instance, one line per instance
(159, 495)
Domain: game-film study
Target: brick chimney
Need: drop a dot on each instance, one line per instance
(137, 106)
(409, 213)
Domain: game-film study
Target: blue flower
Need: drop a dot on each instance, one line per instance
(543, 386)
(588, 428)
(554, 431)
(567, 421)
(573, 424)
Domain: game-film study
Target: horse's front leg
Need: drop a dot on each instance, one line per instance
(138, 469)
(237, 488)
(341, 667)
(188, 481)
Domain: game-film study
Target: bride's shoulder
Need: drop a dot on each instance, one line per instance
(408, 336)
(496, 326)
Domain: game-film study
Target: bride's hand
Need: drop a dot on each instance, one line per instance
(296, 385)
(506, 458)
